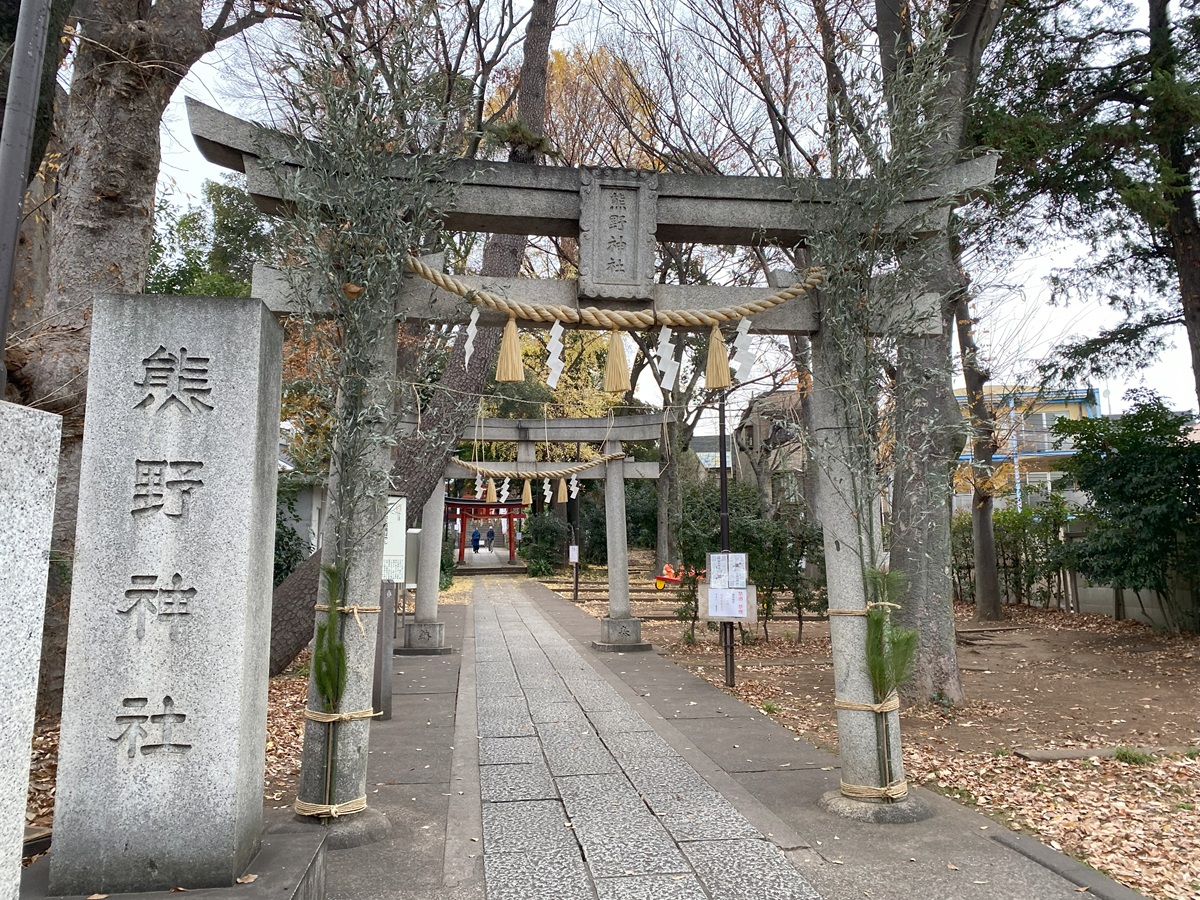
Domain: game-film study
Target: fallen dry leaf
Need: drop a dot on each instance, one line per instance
(247, 879)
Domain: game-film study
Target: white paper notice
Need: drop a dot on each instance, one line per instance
(574, 553)
(737, 570)
(727, 603)
(718, 570)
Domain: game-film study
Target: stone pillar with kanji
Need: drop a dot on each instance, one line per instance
(161, 757)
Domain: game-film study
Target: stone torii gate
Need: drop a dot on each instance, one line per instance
(617, 216)
(619, 630)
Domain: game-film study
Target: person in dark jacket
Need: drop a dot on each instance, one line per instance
(475, 540)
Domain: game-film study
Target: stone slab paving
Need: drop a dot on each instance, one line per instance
(581, 799)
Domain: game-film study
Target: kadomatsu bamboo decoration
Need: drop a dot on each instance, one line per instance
(891, 653)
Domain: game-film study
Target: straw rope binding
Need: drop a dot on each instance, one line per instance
(331, 810)
(317, 715)
(896, 791)
(889, 704)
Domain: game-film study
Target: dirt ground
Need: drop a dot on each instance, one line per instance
(1119, 695)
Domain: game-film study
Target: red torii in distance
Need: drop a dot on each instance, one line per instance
(468, 508)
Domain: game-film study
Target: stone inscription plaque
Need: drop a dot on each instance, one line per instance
(617, 222)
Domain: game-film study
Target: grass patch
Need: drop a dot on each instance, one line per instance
(1133, 757)
(770, 707)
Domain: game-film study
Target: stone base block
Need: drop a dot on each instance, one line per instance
(911, 809)
(620, 635)
(423, 639)
(343, 833)
(289, 866)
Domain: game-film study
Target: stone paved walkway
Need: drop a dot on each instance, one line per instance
(581, 798)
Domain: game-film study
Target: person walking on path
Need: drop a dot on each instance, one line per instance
(475, 540)
(491, 538)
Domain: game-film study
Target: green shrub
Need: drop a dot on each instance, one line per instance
(542, 541)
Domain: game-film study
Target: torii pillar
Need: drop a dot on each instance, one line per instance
(619, 630)
(426, 635)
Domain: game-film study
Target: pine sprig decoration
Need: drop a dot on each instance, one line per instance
(329, 653)
(891, 650)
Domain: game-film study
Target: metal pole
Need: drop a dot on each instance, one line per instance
(16, 144)
(575, 564)
(726, 627)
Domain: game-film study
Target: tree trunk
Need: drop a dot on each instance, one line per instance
(1172, 135)
(929, 438)
(928, 441)
(126, 69)
(421, 456)
(983, 451)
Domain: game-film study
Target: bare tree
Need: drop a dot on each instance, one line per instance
(421, 456)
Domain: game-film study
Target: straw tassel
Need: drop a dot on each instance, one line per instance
(491, 490)
(509, 367)
(616, 372)
(562, 490)
(527, 494)
(716, 374)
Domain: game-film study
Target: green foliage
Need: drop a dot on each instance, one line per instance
(776, 549)
(517, 134)
(1143, 476)
(449, 563)
(1030, 551)
(329, 653)
(348, 230)
(542, 543)
(210, 249)
(641, 519)
(290, 548)
(1133, 757)
(1100, 145)
(641, 513)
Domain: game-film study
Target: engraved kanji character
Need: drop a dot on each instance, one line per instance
(165, 720)
(615, 264)
(617, 242)
(616, 221)
(175, 378)
(141, 596)
(132, 731)
(153, 488)
(144, 596)
(616, 200)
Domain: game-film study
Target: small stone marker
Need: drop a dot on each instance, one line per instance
(29, 441)
(161, 757)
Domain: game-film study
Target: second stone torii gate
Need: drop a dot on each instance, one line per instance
(619, 630)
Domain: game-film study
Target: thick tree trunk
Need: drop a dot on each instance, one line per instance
(929, 438)
(421, 456)
(126, 69)
(922, 502)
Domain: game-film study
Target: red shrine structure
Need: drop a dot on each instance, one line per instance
(468, 509)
